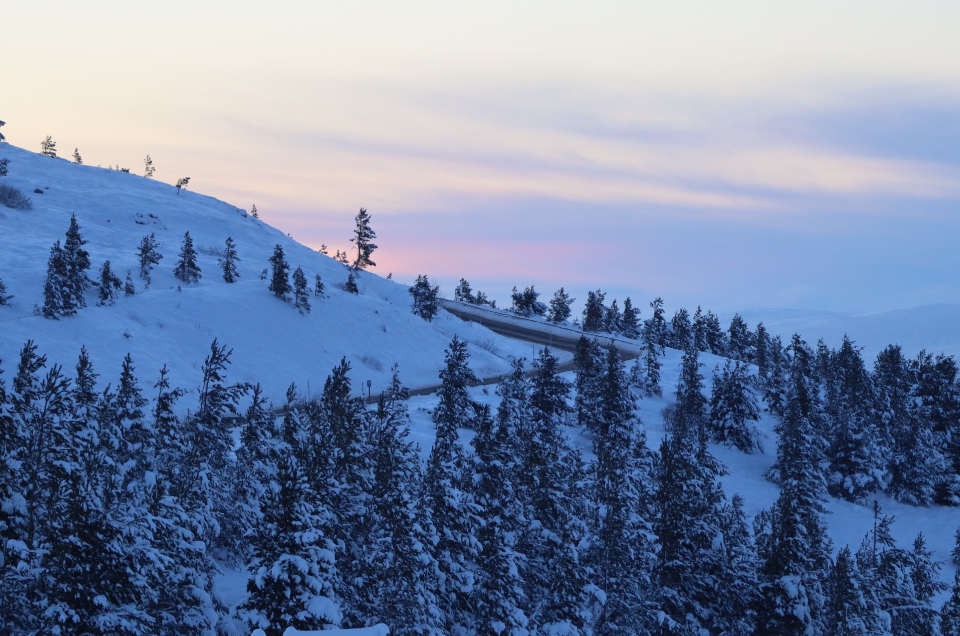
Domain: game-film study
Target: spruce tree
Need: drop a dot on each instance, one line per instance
(446, 492)
(651, 369)
(691, 403)
(351, 285)
(716, 340)
(589, 364)
(148, 256)
(621, 555)
(463, 292)
(57, 299)
(761, 353)
(229, 261)
(630, 321)
(740, 340)
(363, 236)
(950, 612)
(525, 303)
(655, 329)
(109, 287)
(682, 331)
(148, 168)
(594, 312)
(699, 330)
(613, 319)
(301, 296)
(187, 269)
(293, 576)
(77, 262)
(76, 157)
(560, 306)
(128, 288)
(734, 408)
(848, 612)
(318, 289)
(279, 279)
(426, 302)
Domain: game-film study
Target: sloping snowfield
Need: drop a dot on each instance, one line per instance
(272, 342)
(274, 345)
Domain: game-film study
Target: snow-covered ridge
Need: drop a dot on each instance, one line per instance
(171, 323)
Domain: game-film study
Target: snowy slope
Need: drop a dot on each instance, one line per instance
(272, 342)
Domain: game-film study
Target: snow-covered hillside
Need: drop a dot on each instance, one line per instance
(272, 342)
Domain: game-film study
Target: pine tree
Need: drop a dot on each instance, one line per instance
(76, 157)
(613, 319)
(791, 536)
(318, 289)
(630, 322)
(716, 341)
(761, 353)
(57, 299)
(148, 167)
(560, 306)
(525, 303)
(463, 293)
(740, 340)
(293, 574)
(48, 147)
(622, 554)
(651, 368)
(148, 256)
(229, 261)
(937, 403)
(182, 183)
(109, 287)
(950, 612)
(848, 612)
(279, 280)
(77, 262)
(363, 236)
(4, 171)
(691, 403)
(426, 302)
(775, 382)
(594, 312)
(301, 296)
(689, 521)
(699, 330)
(4, 298)
(655, 329)
(187, 269)
(128, 288)
(681, 330)
(254, 214)
(733, 407)
(498, 596)
(351, 285)
(447, 494)
(589, 364)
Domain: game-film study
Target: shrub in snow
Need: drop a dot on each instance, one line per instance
(3, 167)
(13, 198)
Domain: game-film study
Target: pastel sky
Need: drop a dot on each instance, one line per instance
(734, 154)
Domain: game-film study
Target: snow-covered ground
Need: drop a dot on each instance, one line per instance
(272, 342)
(275, 345)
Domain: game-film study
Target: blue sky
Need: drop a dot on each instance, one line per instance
(735, 155)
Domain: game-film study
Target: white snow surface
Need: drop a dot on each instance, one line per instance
(376, 630)
(273, 344)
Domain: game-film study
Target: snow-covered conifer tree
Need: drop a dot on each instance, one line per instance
(426, 301)
(613, 319)
(228, 263)
(630, 320)
(463, 293)
(187, 269)
(76, 157)
(655, 329)
(594, 312)
(48, 147)
(363, 236)
(350, 286)
(734, 408)
(699, 330)
(445, 489)
(182, 183)
(4, 298)
(318, 289)
(128, 288)
(651, 368)
(57, 299)
(589, 361)
(108, 287)
(148, 168)
(77, 262)
(950, 612)
(148, 256)
(716, 339)
(279, 279)
(740, 339)
(301, 295)
(691, 403)
(560, 306)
